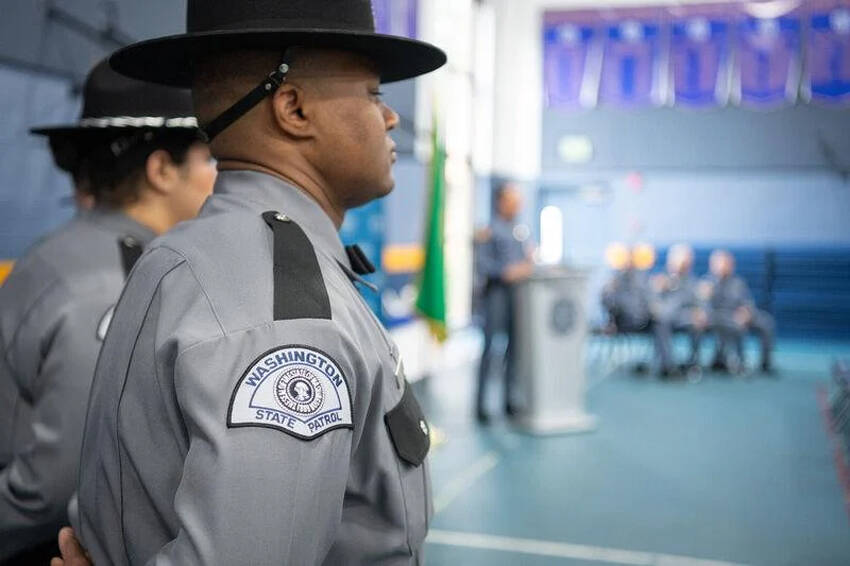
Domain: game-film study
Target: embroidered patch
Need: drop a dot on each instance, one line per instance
(104, 323)
(296, 389)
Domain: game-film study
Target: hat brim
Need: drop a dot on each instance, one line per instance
(170, 60)
(76, 130)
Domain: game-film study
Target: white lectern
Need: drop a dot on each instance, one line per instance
(551, 333)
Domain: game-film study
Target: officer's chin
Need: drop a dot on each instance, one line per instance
(386, 187)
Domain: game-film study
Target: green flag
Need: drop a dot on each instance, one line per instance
(431, 302)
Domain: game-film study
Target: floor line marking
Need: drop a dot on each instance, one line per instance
(566, 550)
(464, 481)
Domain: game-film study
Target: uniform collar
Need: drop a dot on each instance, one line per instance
(261, 192)
(117, 222)
(499, 221)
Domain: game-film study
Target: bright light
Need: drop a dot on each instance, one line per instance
(551, 235)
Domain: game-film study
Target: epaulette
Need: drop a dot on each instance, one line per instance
(131, 251)
(299, 288)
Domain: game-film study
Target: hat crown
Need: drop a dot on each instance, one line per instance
(222, 15)
(109, 94)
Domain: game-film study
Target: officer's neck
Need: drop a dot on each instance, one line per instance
(155, 215)
(308, 184)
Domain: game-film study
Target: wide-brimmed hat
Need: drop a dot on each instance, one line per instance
(215, 26)
(113, 102)
(115, 106)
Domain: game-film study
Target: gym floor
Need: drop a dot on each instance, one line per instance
(724, 471)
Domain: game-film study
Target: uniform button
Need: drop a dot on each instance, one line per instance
(424, 426)
(130, 242)
(282, 217)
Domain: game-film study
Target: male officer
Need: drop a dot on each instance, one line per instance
(137, 155)
(626, 295)
(734, 313)
(678, 307)
(248, 408)
(504, 261)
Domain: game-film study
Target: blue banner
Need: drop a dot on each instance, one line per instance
(632, 68)
(565, 58)
(769, 61)
(699, 56)
(364, 226)
(829, 55)
(396, 17)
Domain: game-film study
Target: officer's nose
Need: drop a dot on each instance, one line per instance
(390, 117)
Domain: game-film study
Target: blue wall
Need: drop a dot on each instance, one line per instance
(720, 176)
(747, 208)
(43, 63)
(725, 177)
(34, 195)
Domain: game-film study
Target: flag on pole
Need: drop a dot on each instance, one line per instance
(431, 302)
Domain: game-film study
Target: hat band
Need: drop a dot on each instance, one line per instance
(139, 122)
(290, 24)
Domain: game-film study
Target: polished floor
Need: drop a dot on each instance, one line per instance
(724, 471)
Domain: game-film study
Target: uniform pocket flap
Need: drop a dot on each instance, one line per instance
(408, 429)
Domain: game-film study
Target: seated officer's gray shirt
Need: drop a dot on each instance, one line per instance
(182, 466)
(678, 302)
(50, 309)
(729, 294)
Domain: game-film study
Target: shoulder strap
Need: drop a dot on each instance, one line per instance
(299, 288)
(131, 251)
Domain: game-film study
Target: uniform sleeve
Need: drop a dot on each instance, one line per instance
(253, 493)
(38, 482)
(8, 406)
(745, 297)
(492, 264)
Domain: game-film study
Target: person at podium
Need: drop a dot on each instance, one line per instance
(505, 260)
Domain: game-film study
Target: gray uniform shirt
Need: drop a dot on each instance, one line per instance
(502, 250)
(729, 294)
(51, 308)
(679, 300)
(627, 297)
(177, 468)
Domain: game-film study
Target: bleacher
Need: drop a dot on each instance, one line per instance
(806, 289)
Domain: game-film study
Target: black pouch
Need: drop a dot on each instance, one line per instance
(408, 429)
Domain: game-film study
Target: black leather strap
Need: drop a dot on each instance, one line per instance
(131, 251)
(359, 262)
(299, 288)
(266, 88)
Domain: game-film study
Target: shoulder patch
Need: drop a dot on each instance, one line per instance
(296, 389)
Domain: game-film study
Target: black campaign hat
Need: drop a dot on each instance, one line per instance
(114, 103)
(115, 106)
(215, 26)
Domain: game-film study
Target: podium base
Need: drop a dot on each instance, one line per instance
(560, 423)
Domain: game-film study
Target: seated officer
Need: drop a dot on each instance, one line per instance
(626, 295)
(733, 314)
(138, 169)
(676, 307)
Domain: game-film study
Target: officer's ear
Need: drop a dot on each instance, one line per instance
(289, 112)
(162, 174)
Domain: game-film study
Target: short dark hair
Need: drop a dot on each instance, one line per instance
(113, 168)
(503, 187)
